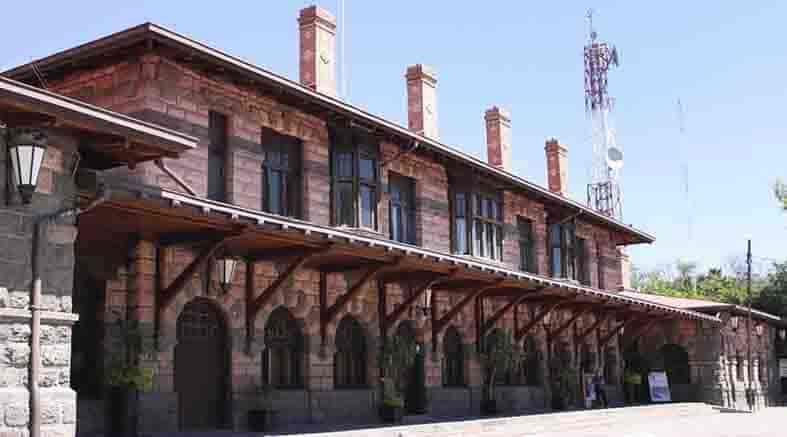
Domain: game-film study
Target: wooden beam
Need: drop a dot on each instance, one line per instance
(187, 238)
(166, 295)
(600, 318)
(400, 309)
(257, 303)
(512, 302)
(581, 311)
(536, 320)
(441, 323)
(328, 314)
(629, 320)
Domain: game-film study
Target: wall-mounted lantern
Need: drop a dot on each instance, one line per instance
(426, 303)
(26, 148)
(226, 267)
(782, 334)
(547, 320)
(759, 328)
(734, 322)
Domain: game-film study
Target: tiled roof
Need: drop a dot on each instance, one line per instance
(699, 304)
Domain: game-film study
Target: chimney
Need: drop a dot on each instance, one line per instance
(498, 138)
(318, 50)
(422, 100)
(557, 167)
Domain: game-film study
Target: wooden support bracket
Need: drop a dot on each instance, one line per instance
(389, 319)
(600, 318)
(258, 302)
(641, 331)
(577, 314)
(629, 320)
(329, 313)
(166, 295)
(442, 322)
(537, 319)
(513, 302)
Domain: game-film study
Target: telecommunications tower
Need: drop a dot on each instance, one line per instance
(604, 193)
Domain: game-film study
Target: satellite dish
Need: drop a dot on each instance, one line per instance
(614, 158)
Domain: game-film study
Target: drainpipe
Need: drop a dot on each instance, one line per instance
(39, 228)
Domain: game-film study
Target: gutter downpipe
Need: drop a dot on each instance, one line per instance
(39, 226)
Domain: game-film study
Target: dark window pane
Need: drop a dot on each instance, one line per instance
(478, 239)
(344, 203)
(556, 262)
(368, 207)
(217, 132)
(344, 166)
(274, 192)
(460, 238)
(396, 222)
(366, 168)
(460, 208)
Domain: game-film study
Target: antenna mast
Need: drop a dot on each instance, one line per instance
(604, 193)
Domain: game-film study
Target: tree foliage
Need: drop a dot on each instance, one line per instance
(780, 189)
(773, 297)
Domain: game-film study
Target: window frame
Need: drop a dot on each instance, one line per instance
(562, 242)
(289, 148)
(404, 204)
(453, 359)
(581, 259)
(291, 346)
(360, 147)
(356, 375)
(483, 216)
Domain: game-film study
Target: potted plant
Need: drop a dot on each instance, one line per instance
(125, 379)
(396, 358)
(499, 353)
(416, 387)
(260, 419)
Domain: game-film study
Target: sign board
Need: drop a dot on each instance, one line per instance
(659, 387)
(590, 388)
(782, 367)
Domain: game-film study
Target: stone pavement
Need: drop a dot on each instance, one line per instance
(649, 421)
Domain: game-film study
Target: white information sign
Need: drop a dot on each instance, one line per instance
(659, 387)
(782, 367)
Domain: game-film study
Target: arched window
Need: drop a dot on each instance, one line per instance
(739, 366)
(282, 358)
(349, 363)
(676, 364)
(532, 362)
(762, 369)
(453, 358)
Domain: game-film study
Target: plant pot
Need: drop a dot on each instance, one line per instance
(122, 414)
(258, 420)
(489, 407)
(391, 414)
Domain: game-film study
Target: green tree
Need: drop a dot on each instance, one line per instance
(780, 189)
(773, 297)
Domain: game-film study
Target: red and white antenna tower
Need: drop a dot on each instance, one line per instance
(604, 192)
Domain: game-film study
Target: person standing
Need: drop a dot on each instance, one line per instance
(601, 394)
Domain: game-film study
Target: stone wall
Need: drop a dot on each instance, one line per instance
(58, 400)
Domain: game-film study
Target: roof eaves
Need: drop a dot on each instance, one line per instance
(335, 104)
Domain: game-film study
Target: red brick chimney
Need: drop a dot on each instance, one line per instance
(498, 138)
(557, 167)
(422, 100)
(318, 50)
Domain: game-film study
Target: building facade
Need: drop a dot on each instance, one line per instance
(277, 252)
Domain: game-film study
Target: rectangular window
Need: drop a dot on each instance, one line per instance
(563, 250)
(280, 174)
(478, 218)
(599, 266)
(217, 156)
(402, 208)
(354, 180)
(527, 246)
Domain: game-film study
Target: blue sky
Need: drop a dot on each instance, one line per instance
(726, 62)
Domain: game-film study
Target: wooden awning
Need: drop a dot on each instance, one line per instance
(170, 218)
(107, 139)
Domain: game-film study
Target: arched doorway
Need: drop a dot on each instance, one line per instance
(412, 402)
(675, 362)
(201, 366)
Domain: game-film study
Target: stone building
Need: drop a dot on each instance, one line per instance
(262, 234)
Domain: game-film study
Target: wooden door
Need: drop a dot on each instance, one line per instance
(200, 367)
